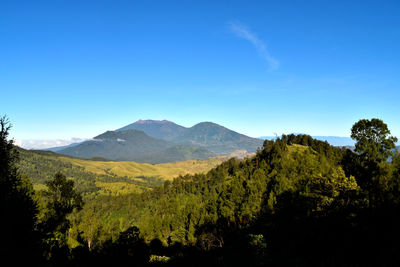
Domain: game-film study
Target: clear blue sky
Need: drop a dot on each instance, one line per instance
(79, 68)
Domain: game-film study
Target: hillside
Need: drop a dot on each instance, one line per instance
(177, 153)
(122, 145)
(296, 191)
(99, 175)
(217, 139)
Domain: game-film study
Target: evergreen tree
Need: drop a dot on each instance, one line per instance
(17, 206)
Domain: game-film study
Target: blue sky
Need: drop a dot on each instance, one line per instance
(79, 68)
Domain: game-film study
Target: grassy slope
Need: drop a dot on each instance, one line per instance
(165, 171)
(115, 177)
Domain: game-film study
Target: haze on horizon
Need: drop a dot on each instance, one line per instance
(76, 69)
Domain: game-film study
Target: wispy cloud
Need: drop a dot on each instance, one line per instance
(243, 32)
(43, 144)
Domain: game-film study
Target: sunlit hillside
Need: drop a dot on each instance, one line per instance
(101, 176)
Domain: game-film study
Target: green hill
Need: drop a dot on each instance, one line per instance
(101, 175)
(230, 195)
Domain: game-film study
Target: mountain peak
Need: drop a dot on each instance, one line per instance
(160, 129)
(208, 123)
(153, 122)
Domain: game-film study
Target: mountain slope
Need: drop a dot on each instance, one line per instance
(99, 176)
(58, 148)
(174, 143)
(133, 145)
(217, 138)
(122, 145)
(158, 129)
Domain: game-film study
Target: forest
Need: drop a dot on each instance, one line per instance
(297, 202)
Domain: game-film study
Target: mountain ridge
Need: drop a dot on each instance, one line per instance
(158, 129)
(123, 145)
(217, 138)
(154, 141)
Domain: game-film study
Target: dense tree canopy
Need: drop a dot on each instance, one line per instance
(297, 202)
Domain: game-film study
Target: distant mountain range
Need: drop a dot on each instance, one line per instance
(155, 141)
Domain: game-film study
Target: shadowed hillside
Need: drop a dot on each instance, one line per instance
(123, 145)
(217, 139)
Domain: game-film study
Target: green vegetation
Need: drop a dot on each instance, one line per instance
(103, 177)
(17, 205)
(297, 202)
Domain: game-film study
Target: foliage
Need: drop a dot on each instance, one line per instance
(374, 142)
(101, 177)
(60, 199)
(297, 202)
(17, 205)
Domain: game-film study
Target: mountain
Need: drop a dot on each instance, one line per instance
(134, 145)
(217, 138)
(154, 141)
(122, 145)
(164, 129)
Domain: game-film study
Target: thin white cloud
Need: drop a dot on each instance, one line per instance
(43, 144)
(243, 32)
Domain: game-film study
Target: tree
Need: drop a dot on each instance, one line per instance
(92, 229)
(130, 247)
(18, 209)
(62, 199)
(374, 146)
(374, 142)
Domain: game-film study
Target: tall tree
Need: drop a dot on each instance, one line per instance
(374, 146)
(373, 140)
(17, 207)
